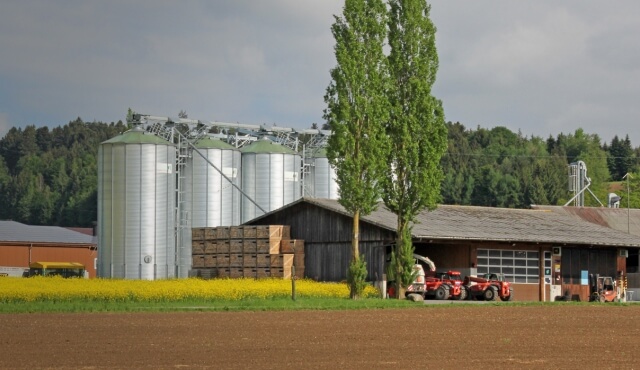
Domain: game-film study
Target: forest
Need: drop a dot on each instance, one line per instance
(49, 176)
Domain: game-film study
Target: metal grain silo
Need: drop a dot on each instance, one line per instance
(136, 206)
(214, 200)
(270, 176)
(321, 179)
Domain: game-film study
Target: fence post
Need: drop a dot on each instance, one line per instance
(293, 283)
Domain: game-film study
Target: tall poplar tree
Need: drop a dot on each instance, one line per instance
(357, 109)
(416, 128)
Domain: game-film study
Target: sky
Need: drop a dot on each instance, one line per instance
(538, 67)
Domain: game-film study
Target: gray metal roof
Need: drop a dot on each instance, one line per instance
(621, 219)
(495, 224)
(11, 231)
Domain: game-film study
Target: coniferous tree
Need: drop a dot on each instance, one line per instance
(621, 157)
(52, 179)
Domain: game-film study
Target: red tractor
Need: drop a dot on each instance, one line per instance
(436, 288)
(457, 289)
(489, 287)
(439, 285)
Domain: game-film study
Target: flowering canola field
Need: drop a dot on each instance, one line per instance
(58, 289)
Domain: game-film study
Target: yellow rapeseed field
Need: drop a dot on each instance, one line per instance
(172, 290)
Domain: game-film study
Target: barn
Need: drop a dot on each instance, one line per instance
(22, 244)
(624, 221)
(545, 254)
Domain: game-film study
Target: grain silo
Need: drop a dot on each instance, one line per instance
(214, 200)
(270, 176)
(321, 179)
(136, 207)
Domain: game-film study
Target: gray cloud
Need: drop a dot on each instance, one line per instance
(539, 67)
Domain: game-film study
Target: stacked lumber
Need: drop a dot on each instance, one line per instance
(246, 251)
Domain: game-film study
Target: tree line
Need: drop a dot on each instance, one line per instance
(49, 176)
(499, 168)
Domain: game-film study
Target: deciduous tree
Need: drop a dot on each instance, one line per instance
(356, 112)
(416, 128)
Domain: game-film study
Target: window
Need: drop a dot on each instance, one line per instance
(517, 266)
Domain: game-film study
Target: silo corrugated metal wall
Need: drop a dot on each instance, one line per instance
(136, 203)
(214, 201)
(322, 177)
(270, 176)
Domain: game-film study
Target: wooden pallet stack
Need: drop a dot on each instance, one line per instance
(246, 251)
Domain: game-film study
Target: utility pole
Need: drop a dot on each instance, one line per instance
(627, 176)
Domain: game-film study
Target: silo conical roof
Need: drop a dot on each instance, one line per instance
(212, 143)
(137, 136)
(266, 146)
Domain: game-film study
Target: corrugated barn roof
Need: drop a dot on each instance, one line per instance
(496, 224)
(621, 219)
(11, 231)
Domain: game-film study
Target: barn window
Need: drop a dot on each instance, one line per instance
(517, 266)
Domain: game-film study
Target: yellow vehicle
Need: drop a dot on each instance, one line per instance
(64, 269)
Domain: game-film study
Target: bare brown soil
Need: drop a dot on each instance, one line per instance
(595, 336)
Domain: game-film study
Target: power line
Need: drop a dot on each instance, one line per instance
(531, 156)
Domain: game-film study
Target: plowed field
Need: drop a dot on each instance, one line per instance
(597, 336)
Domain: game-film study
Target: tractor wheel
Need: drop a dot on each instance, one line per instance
(441, 293)
(448, 289)
(507, 298)
(602, 298)
(490, 294)
(463, 294)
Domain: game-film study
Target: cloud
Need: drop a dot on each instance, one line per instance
(541, 67)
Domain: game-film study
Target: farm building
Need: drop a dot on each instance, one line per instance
(21, 244)
(545, 253)
(625, 221)
(157, 185)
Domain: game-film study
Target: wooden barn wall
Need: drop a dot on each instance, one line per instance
(633, 280)
(446, 256)
(327, 241)
(603, 261)
(594, 261)
(330, 261)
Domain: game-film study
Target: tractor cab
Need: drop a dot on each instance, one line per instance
(494, 277)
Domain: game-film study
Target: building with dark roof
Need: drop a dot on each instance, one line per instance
(22, 244)
(545, 253)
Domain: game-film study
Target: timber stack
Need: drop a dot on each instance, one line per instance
(246, 251)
